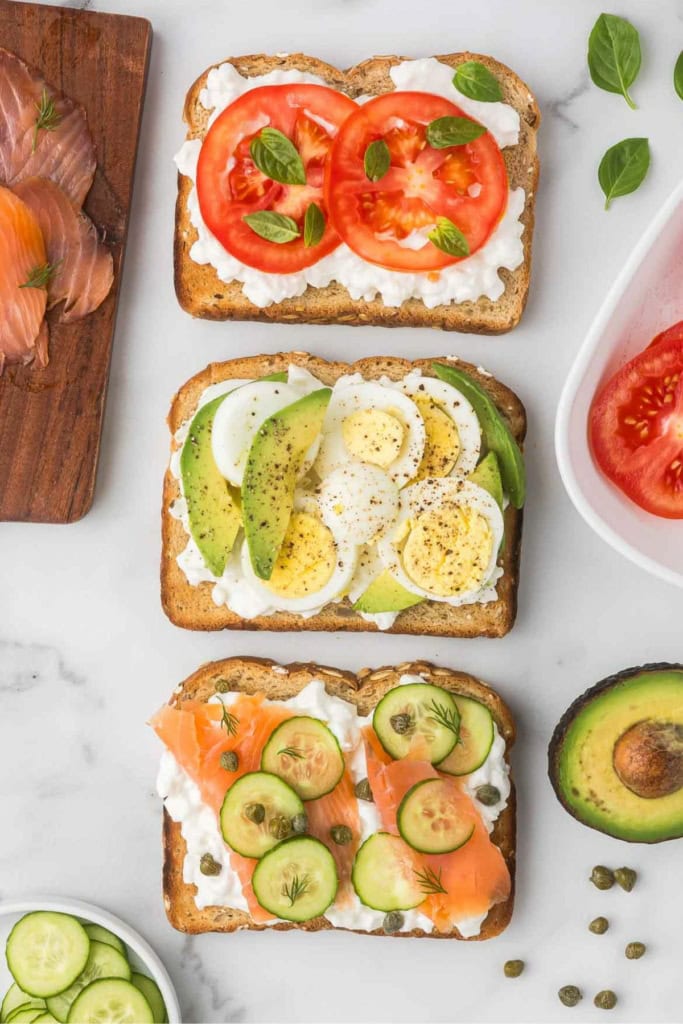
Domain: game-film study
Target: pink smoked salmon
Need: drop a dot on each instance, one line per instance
(42, 132)
(84, 269)
(23, 333)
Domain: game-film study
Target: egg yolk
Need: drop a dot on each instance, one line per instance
(447, 550)
(442, 442)
(307, 558)
(373, 435)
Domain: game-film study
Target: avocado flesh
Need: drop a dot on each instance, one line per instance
(273, 467)
(581, 755)
(497, 435)
(385, 594)
(214, 517)
(487, 476)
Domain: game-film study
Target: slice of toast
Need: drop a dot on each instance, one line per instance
(259, 675)
(192, 607)
(201, 292)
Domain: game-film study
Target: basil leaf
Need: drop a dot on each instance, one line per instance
(274, 227)
(377, 160)
(314, 225)
(678, 75)
(453, 131)
(449, 238)
(623, 168)
(277, 157)
(476, 81)
(614, 55)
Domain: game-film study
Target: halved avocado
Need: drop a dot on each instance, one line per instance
(616, 757)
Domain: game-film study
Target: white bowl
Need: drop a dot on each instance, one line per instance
(143, 957)
(646, 298)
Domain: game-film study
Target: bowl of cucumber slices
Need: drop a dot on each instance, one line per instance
(68, 962)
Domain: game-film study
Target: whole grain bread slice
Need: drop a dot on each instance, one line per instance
(192, 607)
(202, 294)
(365, 689)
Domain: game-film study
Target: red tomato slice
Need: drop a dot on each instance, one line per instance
(636, 428)
(229, 185)
(673, 333)
(468, 184)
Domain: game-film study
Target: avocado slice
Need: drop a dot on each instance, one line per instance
(616, 758)
(213, 515)
(385, 594)
(497, 434)
(487, 476)
(270, 475)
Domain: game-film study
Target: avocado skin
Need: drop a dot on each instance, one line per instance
(567, 719)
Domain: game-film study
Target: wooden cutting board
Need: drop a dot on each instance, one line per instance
(51, 418)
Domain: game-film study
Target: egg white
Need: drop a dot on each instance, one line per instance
(359, 500)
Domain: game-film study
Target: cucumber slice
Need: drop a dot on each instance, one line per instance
(245, 836)
(306, 754)
(150, 991)
(46, 1018)
(475, 741)
(46, 952)
(385, 874)
(99, 934)
(417, 720)
(26, 1016)
(297, 880)
(15, 999)
(104, 962)
(111, 1001)
(429, 819)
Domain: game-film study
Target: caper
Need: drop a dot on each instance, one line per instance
(487, 795)
(209, 866)
(255, 813)
(280, 826)
(300, 823)
(401, 723)
(513, 968)
(222, 686)
(341, 834)
(626, 877)
(393, 922)
(598, 925)
(570, 995)
(363, 791)
(602, 877)
(230, 761)
(635, 950)
(605, 1000)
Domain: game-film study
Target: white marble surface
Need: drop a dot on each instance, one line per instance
(86, 653)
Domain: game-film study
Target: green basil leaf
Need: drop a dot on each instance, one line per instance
(277, 157)
(377, 160)
(453, 131)
(274, 227)
(614, 55)
(449, 238)
(623, 168)
(476, 81)
(678, 75)
(314, 225)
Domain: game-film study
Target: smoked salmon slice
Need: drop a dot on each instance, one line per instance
(42, 133)
(83, 267)
(23, 333)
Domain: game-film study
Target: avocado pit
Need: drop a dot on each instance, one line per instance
(648, 759)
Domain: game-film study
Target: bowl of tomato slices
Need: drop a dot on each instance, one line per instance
(619, 426)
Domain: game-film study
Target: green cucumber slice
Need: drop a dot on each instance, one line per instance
(111, 1001)
(297, 880)
(384, 874)
(46, 952)
(46, 1018)
(278, 799)
(99, 934)
(417, 719)
(150, 991)
(476, 738)
(306, 754)
(26, 1016)
(429, 819)
(104, 962)
(16, 999)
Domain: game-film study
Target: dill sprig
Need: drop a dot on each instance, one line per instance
(48, 118)
(229, 722)
(430, 882)
(292, 752)
(41, 275)
(447, 717)
(295, 889)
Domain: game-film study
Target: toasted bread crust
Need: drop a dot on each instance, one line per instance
(250, 675)
(202, 294)
(192, 607)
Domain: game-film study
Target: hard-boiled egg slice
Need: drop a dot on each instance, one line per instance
(359, 500)
(445, 543)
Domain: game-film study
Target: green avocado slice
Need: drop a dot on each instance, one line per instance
(487, 476)
(385, 594)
